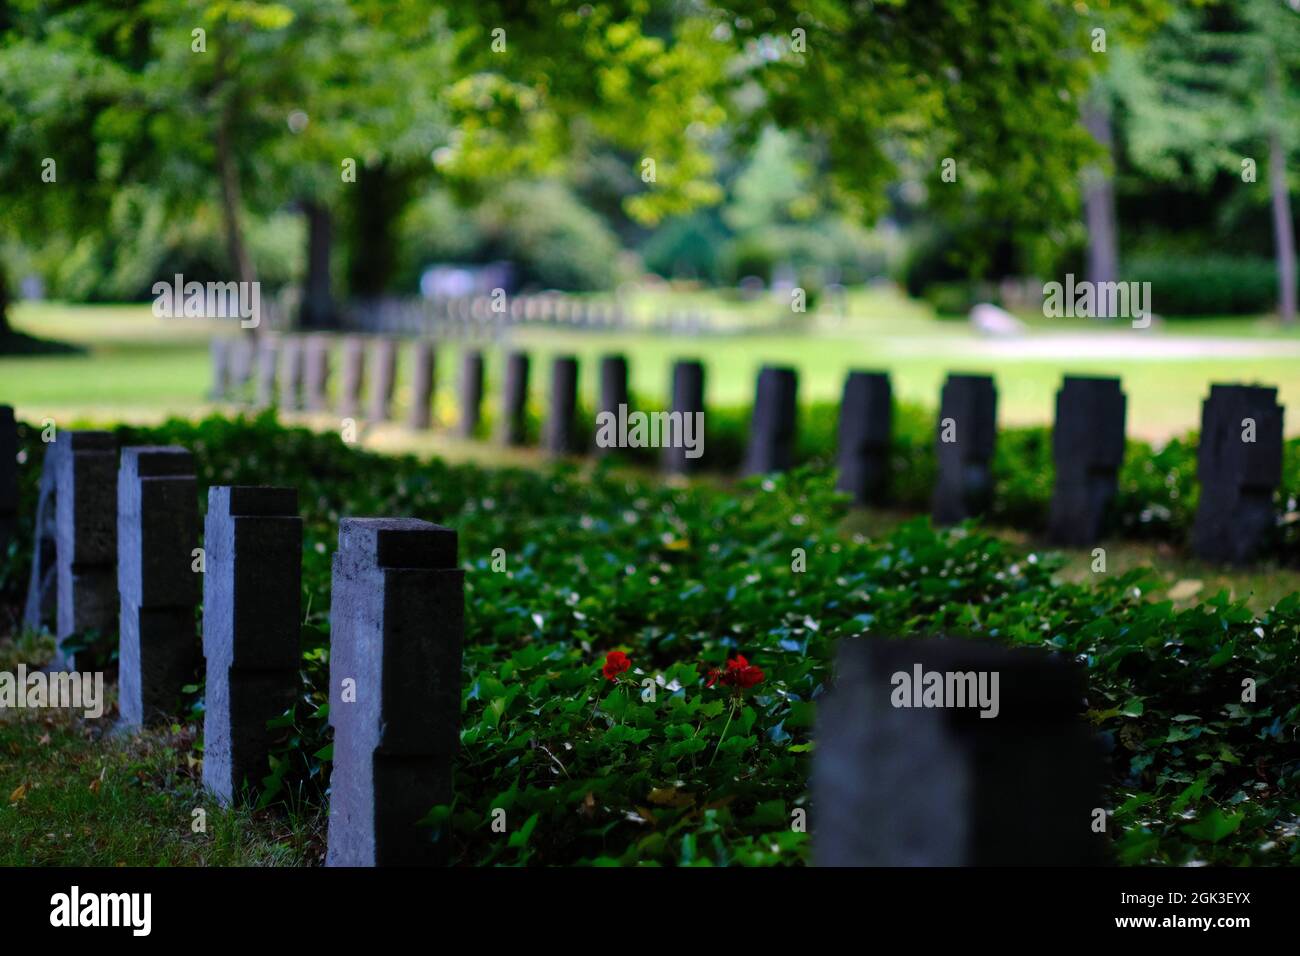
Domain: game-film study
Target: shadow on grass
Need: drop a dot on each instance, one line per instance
(20, 343)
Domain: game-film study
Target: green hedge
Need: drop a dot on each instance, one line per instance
(1206, 285)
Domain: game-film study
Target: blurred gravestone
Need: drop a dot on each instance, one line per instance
(8, 477)
(773, 423)
(318, 373)
(514, 399)
(688, 399)
(561, 419)
(423, 371)
(613, 388)
(252, 613)
(351, 377)
(291, 373)
(907, 775)
(396, 627)
(220, 349)
(1239, 466)
(243, 355)
(268, 357)
(471, 392)
(157, 532)
(865, 432)
(1088, 448)
(964, 446)
(383, 377)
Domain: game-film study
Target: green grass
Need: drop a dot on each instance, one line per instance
(140, 368)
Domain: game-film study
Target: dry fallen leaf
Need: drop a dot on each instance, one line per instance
(1185, 589)
(94, 785)
(44, 739)
(19, 792)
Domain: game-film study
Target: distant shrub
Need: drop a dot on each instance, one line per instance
(1186, 285)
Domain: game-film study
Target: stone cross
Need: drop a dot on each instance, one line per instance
(318, 373)
(688, 398)
(561, 421)
(774, 421)
(865, 433)
(252, 618)
(964, 446)
(423, 377)
(396, 627)
(471, 393)
(909, 771)
(1088, 449)
(1239, 466)
(384, 367)
(157, 535)
(354, 371)
(514, 399)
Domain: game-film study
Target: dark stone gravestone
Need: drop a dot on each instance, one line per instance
(904, 775)
(221, 374)
(774, 421)
(1088, 449)
(613, 389)
(965, 440)
(688, 398)
(157, 532)
(384, 376)
(352, 377)
(423, 372)
(252, 617)
(1239, 466)
(866, 428)
(292, 361)
(561, 422)
(318, 373)
(396, 627)
(81, 491)
(514, 399)
(8, 477)
(471, 393)
(268, 358)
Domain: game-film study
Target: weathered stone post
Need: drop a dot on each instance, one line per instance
(385, 375)
(613, 391)
(292, 361)
(514, 400)
(396, 627)
(318, 373)
(354, 371)
(1088, 448)
(471, 393)
(158, 532)
(423, 377)
(84, 485)
(561, 421)
(268, 358)
(954, 753)
(1239, 466)
(774, 421)
(866, 429)
(965, 440)
(243, 355)
(252, 616)
(8, 477)
(688, 399)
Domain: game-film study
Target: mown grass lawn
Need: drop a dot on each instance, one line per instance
(138, 368)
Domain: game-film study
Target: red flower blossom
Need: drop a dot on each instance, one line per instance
(616, 662)
(739, 673)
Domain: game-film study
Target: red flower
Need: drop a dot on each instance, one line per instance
(616, 662)
(739, 673)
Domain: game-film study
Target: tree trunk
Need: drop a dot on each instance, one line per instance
(1283, 228)
(1099, 196)
(378, 199)
(228, 174)
(318, 301)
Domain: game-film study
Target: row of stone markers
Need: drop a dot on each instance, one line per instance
(119, 548)
(1239, 459)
